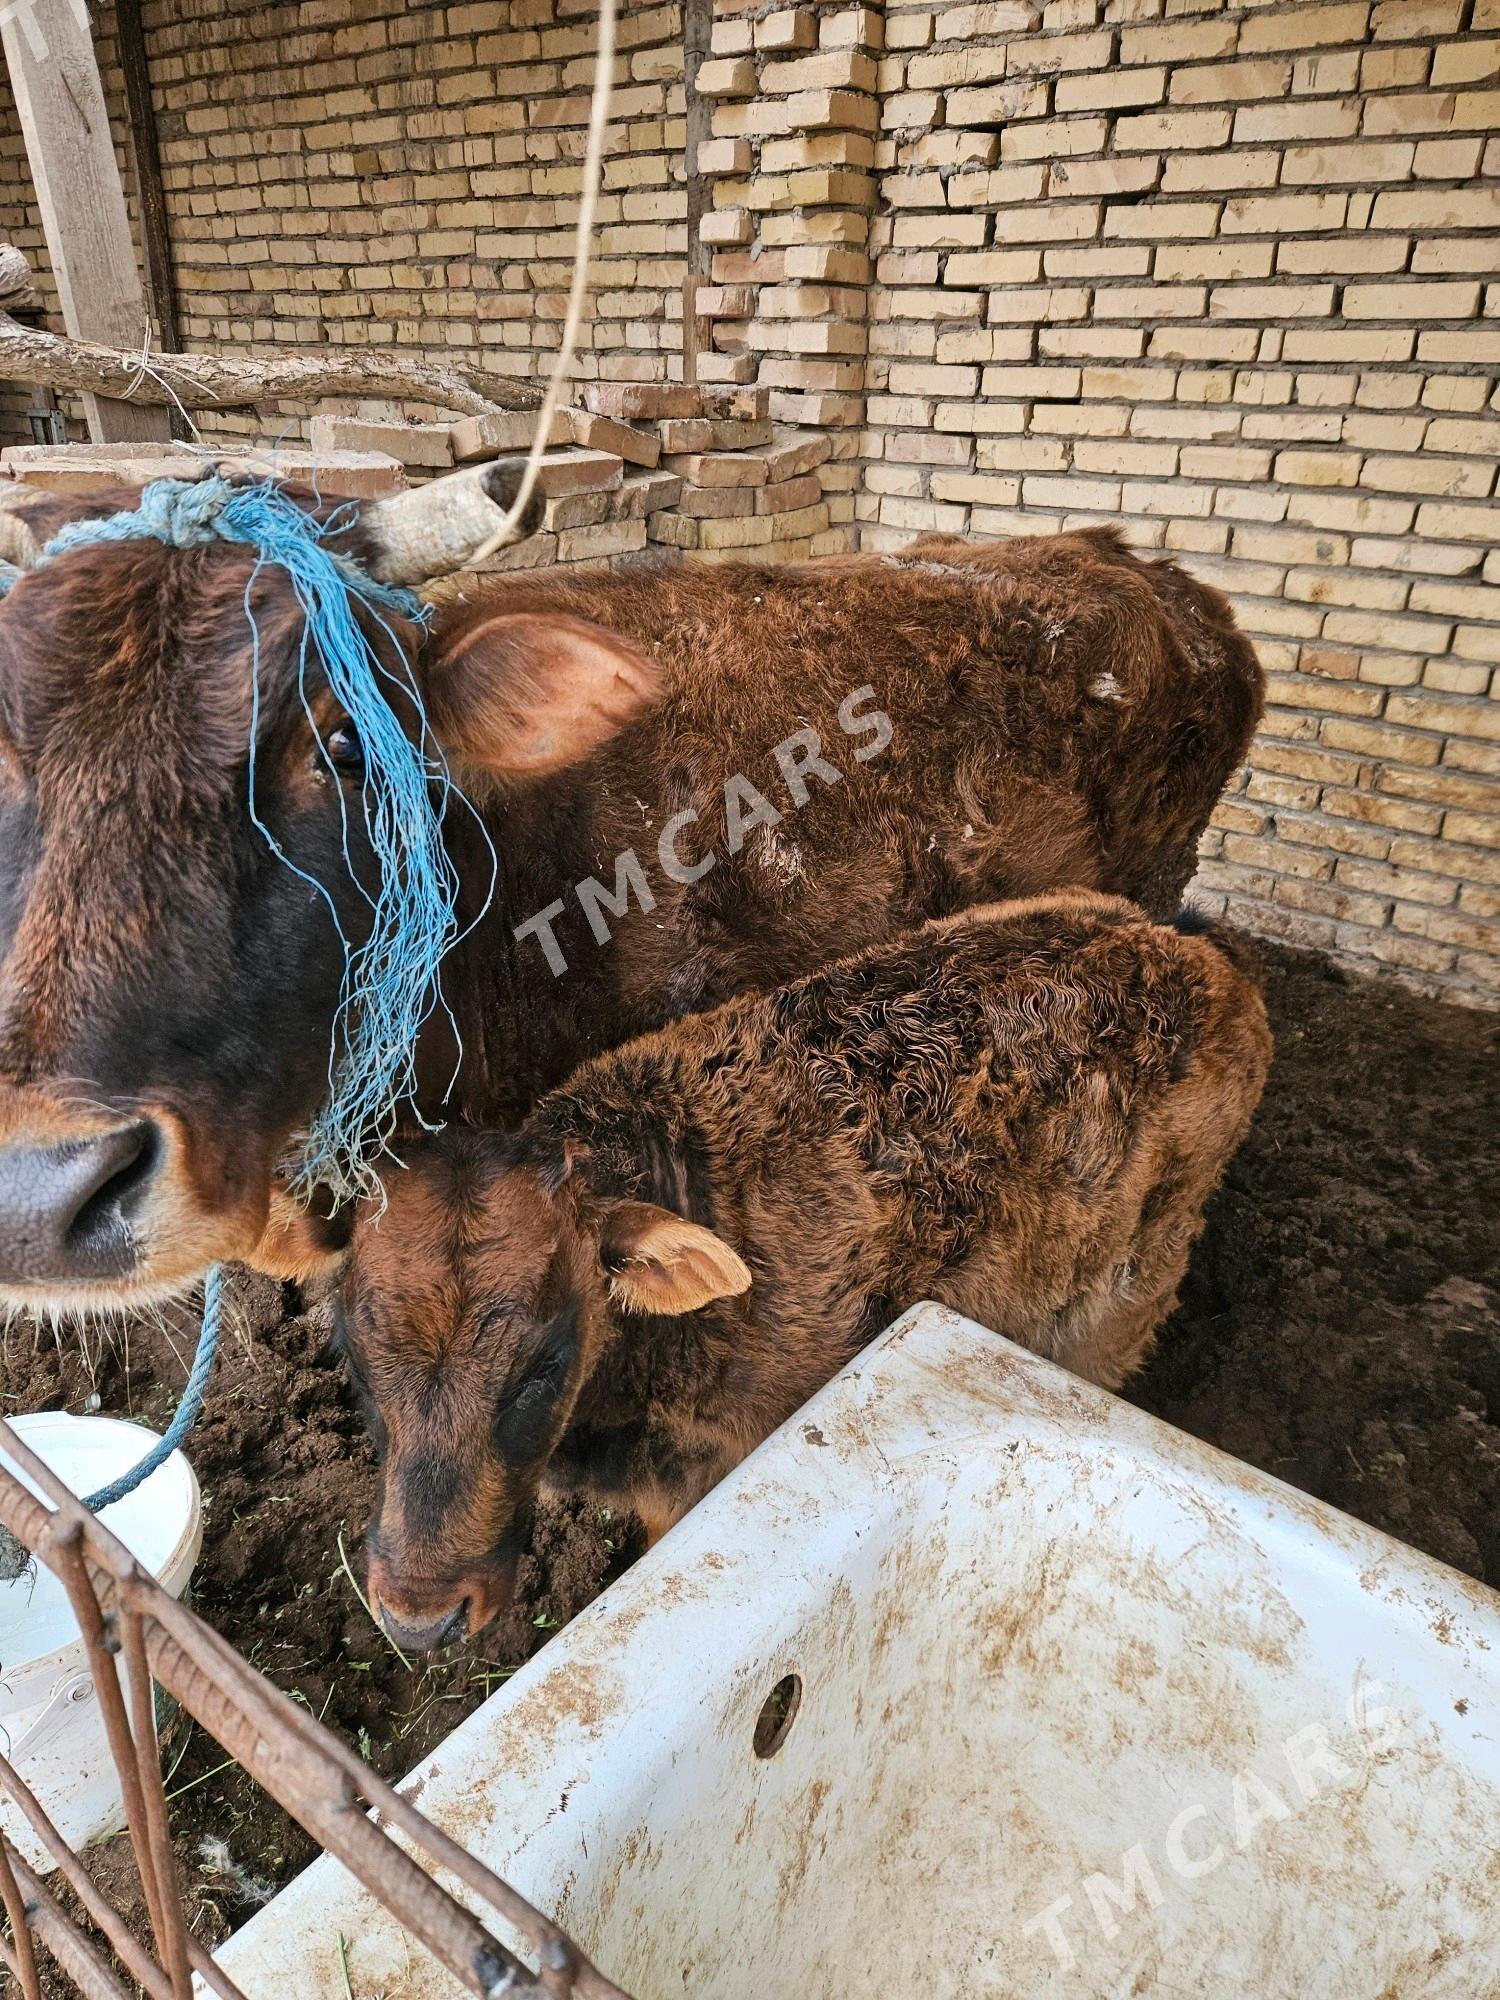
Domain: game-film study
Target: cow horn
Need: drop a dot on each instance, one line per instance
(19, 547)
(435, 529)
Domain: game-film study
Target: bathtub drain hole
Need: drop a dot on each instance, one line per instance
(777, 1713)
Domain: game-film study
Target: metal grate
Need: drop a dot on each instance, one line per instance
(122, 1612)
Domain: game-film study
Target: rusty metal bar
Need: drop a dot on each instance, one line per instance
(66, 1545)
(131, 1953)
(172, 1939)
(66, 1942)
(315, 1777)
(21, 1958)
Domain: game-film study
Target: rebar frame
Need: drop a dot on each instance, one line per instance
(321, 1782)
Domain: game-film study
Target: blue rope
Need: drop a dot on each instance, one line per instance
(187, 1409)
(16, 1558)
(390, 986)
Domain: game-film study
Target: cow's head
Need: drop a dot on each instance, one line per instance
(169, 982)
(474, 1308)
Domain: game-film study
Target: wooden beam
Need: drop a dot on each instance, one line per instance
(54, 73)
(145, 154)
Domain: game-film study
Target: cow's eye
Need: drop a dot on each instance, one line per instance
(345, 751)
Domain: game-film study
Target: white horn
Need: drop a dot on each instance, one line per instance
(435, 529)
(19, 546)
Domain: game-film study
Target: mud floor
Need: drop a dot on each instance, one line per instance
(1340, 1327)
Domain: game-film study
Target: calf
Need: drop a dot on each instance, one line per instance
(1019, 1111)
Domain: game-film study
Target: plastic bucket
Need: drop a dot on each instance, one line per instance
(51, 1724)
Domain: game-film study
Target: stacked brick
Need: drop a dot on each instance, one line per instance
(792, 167)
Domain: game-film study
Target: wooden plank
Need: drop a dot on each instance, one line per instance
(145, 155)
(54, 73)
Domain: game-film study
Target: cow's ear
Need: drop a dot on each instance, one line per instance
(658, 1263)
(528, 692)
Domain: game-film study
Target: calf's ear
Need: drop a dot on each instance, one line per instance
(658, 1263)
(527, 692)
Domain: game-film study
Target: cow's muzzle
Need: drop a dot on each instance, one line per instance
(423, 1614)
(70, 1208)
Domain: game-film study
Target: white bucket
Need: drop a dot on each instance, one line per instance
(1064, 1703)
(51, 1724)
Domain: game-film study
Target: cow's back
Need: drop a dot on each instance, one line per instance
(1060, 712)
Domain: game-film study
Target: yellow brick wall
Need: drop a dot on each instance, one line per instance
(367, 173)
(1225, 275)
(1222, 274)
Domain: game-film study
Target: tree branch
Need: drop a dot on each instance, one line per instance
(210, 382)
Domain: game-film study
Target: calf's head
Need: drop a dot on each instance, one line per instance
(474, 1309)
(169, 977)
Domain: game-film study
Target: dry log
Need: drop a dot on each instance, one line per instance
(210, 382)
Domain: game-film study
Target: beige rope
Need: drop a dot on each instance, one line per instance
(593, 169)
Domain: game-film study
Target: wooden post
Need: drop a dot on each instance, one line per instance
(145, 157)
(49, 53)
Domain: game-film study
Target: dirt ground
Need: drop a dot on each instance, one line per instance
(1340, 1327)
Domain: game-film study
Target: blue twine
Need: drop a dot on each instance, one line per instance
(16, 1558)
(187, 1409)
(390, 986)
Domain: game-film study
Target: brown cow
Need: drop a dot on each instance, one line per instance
(783, 764)
(1019, 1111)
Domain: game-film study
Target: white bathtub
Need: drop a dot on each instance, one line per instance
(1086, 1709)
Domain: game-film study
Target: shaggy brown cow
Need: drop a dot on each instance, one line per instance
(1019, 1111)
(699, 781)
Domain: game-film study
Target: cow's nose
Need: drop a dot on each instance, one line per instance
(427, 1638)
(68, 1209)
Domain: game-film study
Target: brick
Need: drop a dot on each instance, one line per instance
(950, 66)
(427, 446)
(1167, 131)
(996, 104)
(596, 544)
(1110, 90)
(1411, 301)
(579, 472)
(1322, 166)
(726, 76)
(1231, 83)
(1438, 208)
(1286, 27)
(607, 434)
(789, 29)
(1276, 215)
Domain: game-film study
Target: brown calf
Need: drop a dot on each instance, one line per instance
(1019, 1111)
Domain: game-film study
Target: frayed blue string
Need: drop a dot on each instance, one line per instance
(390, 987)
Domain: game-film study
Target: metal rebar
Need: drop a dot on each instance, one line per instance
(317, 1779)
(22, 1958)
(131, 1953)
(66, 1545)
(172, 1938)
(66, 1942)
